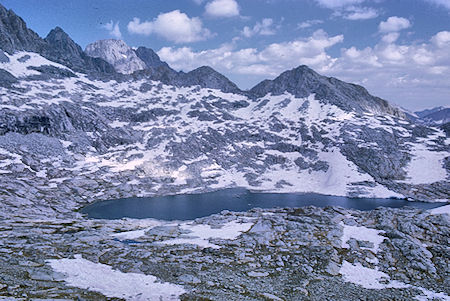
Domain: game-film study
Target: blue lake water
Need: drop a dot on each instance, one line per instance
(191, 206)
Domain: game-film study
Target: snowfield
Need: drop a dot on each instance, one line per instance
(112, 283)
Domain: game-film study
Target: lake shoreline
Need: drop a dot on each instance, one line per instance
(195, 205)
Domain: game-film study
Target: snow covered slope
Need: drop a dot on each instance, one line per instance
(67, 139)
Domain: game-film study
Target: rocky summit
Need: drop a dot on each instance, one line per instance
(113, 122)
(118, 54)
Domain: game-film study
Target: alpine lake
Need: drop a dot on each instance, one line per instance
(191, 206)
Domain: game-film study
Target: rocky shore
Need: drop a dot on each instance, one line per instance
(278, 254)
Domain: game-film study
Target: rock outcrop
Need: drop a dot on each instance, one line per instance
(117, 53)
(15, 35)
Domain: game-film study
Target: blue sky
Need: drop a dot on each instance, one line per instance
(399, 50)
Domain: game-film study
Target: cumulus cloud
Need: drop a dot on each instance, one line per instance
(359, 13)
(333, 4)
(309, 23)
(271, 60)
(407, 74)
(264, 28)
(174, 26)
(350, 9)
(390, 37)
(137, 27)
(113, 29)
(393, 24)
(444, 3)
(222, 8)
(442, 39)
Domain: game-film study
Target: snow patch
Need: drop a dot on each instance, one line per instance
(118, 124)
(440, 210)
(112, 283)
(135, 234)
(363, 234)
(368, 278)
(375, 279)
(201, 234)
(20, 69)
(426, 166)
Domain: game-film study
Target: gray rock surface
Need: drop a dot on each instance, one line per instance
(287, 254)
(117, 53)
(6, 78)
(3, 57)
(150, 58)
(14, 34)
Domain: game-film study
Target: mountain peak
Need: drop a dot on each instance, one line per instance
(117, 53)
(205, 69)
(303, 81)
(59, 39)
(3, 10)
(58, 29)
(15, 35)
(303, 69)
(426, 112)
(150, 58)
(207, 77)
(57, 33)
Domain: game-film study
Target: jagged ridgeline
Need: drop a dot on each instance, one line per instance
(114, 121)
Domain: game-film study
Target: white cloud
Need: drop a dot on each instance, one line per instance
(333, 4)
(264, 28)
(137, 27)
(309, 23)
(390, 37)
(350, 9)
(359, 13)
(445, 3)
(407, 74)
(393, 24)
(441, 39)
(113, 29)
(271, 60)
(222, 8)
(174, 26)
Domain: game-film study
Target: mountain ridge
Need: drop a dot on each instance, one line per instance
(57, 46)
(434, 116)
(99, 58)
(302, 81)
(15, 35)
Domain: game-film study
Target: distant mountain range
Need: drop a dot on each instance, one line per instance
(434, 116)
(112, 121)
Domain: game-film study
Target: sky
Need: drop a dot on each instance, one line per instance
(398, 49)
